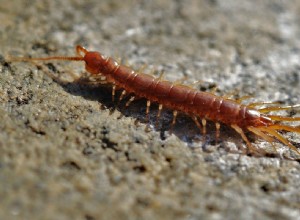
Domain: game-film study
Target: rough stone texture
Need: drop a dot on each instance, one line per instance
(62, 156)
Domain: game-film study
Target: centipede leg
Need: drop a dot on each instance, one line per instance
(254, 104)
(122, 95)
(218, 126)
(132, 98)
(283, 118)
(277, 108)
(173, 121)
(195, 119)
(196, 83)
(180, 81)
(161, 75)
(147, 113)
(230, 94)
(203, 121)
(239, 100)
(118, 58)
(234, 93)
(272, 131)
(263, 136)
(142, 68)
(244, 137)
(285, 128)
(113, 92)
(214, 89)
(160, 106)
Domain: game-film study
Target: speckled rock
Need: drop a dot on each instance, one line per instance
(68, 152)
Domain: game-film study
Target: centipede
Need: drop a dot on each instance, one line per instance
(201, 106)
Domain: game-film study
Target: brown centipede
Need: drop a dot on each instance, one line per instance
(181, 98)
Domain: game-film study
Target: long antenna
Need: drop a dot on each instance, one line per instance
(79, 49)
(28, 59)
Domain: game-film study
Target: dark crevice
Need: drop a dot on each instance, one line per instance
(34, 129)
(89, 217)
(140, 168)
(71, 165)
(109, 144)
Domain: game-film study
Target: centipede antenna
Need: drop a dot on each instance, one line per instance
(28, 59)
(81, 51)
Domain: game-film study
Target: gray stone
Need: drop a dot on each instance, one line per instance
(64, 154)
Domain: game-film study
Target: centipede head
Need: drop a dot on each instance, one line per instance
(94, 61)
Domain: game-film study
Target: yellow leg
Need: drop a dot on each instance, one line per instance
(195, 119)
(160, 107)
(277, 108)
(113, 92)
(259, 133)
(132, 98)
(254, 104)
(272, 131)
(241, 132)
(283, 118)
(173, 121)
(218, 126)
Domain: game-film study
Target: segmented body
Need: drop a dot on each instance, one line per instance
(177, 97)
(180, 98)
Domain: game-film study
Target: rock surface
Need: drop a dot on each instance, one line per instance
(66, 151)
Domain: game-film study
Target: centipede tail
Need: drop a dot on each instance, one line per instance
(270, 132)
(273, 131)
